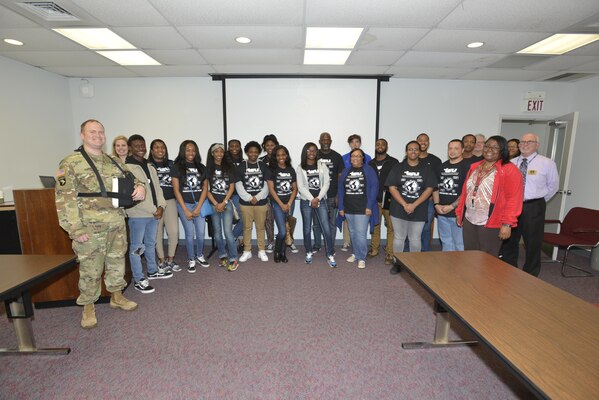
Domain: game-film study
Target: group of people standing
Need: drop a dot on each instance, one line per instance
(481, 196)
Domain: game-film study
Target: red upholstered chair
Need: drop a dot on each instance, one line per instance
(580, 228)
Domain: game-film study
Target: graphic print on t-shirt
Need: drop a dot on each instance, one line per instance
(253, 179)
(411, 184)
(192, 181)
(164, 176)
(355, 183)
(219, 184)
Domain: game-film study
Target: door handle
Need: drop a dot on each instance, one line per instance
(568, 192)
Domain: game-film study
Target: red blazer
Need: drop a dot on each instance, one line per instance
(506, 199)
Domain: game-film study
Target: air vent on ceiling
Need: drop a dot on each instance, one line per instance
(569, 76)
(48, 10)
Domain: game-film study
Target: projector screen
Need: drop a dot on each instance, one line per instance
(297, 111)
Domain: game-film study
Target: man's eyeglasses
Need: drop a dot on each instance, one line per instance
(525, 142)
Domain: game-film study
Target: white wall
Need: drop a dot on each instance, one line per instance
(36, 124)
(448, 109)
(172, 109)
(585, 164)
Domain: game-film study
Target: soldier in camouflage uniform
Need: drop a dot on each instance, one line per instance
(95, 226)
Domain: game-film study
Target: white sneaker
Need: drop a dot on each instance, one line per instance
(331, 262)
(293, 248)
(245, 256)
(361, 264)
(351, 258)
(308, 258)
(345, 247)
(262, 256)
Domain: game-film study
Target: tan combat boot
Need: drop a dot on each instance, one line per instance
(88, 320)
(117, 300)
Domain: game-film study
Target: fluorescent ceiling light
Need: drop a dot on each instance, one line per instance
(14, 42)
(332, 38)
(326, 57)
(243, 40)
(475, 45)
(95, 38)
(560, 43)
(129, 57)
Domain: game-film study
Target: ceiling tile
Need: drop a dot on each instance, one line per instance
(59, 58)
(588, 67)
(428, 73)
(37, 39)
(231, 12)
(177, 57)
(223, 37)
(172, 70)
(559, 63)
(123, 13)
(518, 15)
(495, 41)
(263, 69)
(344, 69)
(500, 74)
(252, 56)
(368, 57)
(455, 60)
(387, 13)
(92, 72)
(391, 38)
(159, 37)
(10, 19)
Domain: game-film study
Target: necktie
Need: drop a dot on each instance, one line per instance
(524, 169)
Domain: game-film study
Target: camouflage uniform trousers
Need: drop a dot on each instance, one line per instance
(106, 247)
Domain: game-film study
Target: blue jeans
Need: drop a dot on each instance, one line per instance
(238, 228)
(358, 229)
(321, 214)
(281, 218)
(332, 223)
(223, 222)
(426, 231)
(450, 233)
(197, 225)
(142, 234)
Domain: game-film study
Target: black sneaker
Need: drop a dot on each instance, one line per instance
(144, 286)
(191, 266)
(160, 273)
(202, 261)
(395, 270)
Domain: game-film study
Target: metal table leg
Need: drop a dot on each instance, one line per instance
(441, 334)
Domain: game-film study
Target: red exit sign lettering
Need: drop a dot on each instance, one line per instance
(534, 105)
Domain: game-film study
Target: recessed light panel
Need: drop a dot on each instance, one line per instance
(14, 42)
(326, 57)
(95, 38)
(332, 38)
(475, 45)
(560, 43)
(243, 40)
(130, 57)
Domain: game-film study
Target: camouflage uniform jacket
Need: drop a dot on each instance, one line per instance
(80, 215)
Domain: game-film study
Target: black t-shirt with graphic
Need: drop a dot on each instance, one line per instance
(355, 199)
(451, 180)
(334, 162)
(163, 169)
(253, 177)
(283, 180)
(190, 185)
(219, 183)
(314, 183)
(411, 182)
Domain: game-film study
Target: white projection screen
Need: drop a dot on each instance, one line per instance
(298, 110)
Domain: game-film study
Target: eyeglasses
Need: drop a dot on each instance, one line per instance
(525, 142)
(492, 148)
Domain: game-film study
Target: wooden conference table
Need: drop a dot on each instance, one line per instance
(18, 274)
(548, 337)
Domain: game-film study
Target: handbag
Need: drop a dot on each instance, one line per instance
(206, 210)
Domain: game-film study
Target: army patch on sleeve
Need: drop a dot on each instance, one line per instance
(61, 177)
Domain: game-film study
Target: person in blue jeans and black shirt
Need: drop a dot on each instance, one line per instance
(143, 217)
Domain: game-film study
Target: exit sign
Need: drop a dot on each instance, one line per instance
(533, 102)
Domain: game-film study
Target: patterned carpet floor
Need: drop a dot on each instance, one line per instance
(266, 331)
